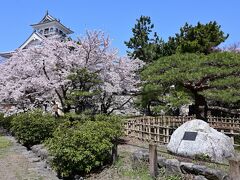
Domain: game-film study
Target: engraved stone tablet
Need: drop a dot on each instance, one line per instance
(189, 136)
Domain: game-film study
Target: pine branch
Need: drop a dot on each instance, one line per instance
(227, 110)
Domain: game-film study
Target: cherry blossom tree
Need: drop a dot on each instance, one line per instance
(2, 59)
(40, 73)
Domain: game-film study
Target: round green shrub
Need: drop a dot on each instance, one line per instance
(5, 122)
(77, 117)
(1, 116)
(80, 147)
(1, 119)
(33, 127)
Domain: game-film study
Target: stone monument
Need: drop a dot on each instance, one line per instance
(196, 138)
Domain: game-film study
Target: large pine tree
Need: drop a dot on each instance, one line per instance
(211, 81)
(202, 38)
(145, 44)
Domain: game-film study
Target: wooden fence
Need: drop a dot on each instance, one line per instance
(159, 129)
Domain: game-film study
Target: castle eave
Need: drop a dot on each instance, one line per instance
(6, 54)
(54, 22)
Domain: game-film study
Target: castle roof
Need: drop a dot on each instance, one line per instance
(36, 37)
(50, 20)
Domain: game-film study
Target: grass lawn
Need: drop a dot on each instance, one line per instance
(4, 145)
(162, 151)
(125, 170)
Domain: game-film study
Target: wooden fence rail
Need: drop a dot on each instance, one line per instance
(159, 129)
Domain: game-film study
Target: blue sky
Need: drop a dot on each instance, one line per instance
(116, 18)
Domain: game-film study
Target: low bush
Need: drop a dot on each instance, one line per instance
(5, 122)
(80, 147)
(77, 117)
(1, 119)
(34, 127)
(83, 117)
(237, 141)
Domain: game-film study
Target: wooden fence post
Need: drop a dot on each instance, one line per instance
(234, 169)
(153, 167)
(114, 152)
(147, 128)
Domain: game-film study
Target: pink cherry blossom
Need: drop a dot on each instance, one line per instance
(40, 73)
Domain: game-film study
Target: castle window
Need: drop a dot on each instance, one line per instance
(46, 31)
(51, 29)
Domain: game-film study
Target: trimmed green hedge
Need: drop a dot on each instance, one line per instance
(33, 127)
(80, 147)
(78, 143)
(5, 122)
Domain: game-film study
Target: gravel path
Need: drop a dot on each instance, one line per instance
(17, 163)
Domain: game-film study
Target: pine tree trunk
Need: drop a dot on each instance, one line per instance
(200, 107)
(148, 109)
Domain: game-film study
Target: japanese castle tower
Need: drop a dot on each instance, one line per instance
(48, 26)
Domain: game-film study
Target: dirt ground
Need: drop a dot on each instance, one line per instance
(17, 164)
(122, 170)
